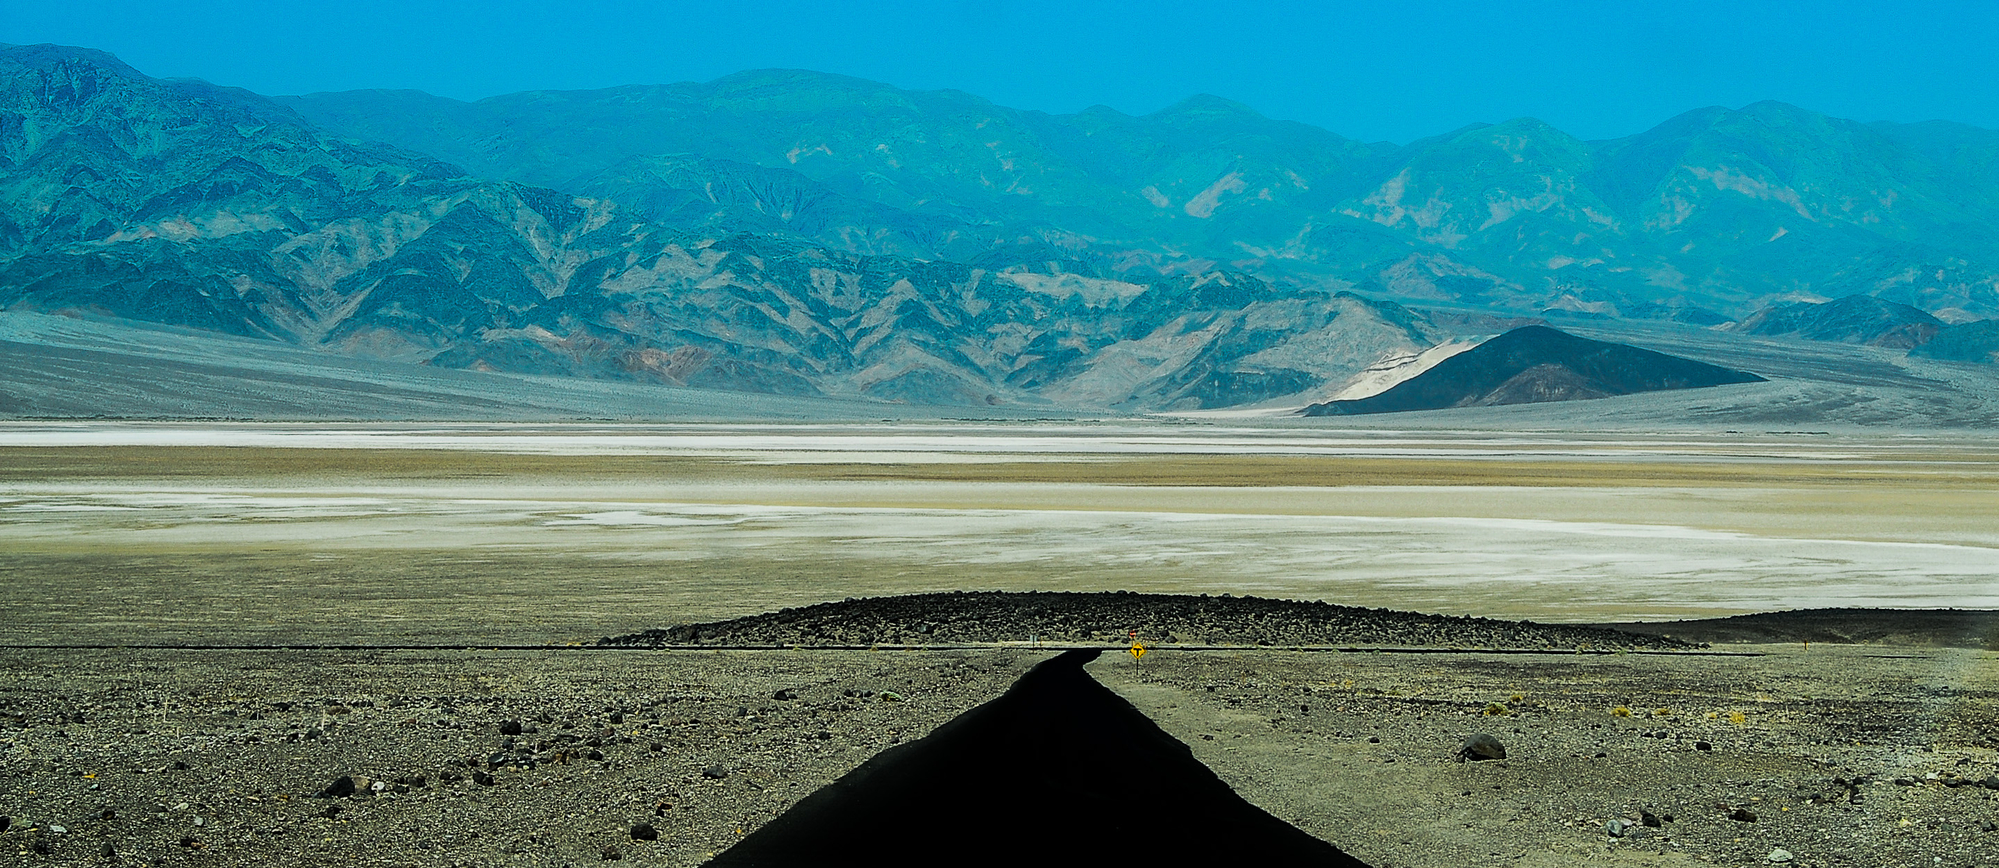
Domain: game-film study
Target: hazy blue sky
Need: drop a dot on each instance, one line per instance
(1373, 71)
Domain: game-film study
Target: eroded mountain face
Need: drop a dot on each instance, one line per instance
(797, 233)
(182, 203)
(1703, 218)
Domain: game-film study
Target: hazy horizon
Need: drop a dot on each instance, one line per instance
(1373, 73)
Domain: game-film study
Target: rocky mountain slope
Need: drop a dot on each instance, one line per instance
(181, 203)
(798, 234)
(1965, 342)
(1855, 319)
(1534, 365)
(1702, 218)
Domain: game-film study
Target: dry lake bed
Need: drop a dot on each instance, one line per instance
(521, 535)
(123, 535)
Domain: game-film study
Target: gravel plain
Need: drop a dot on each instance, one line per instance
(1844, 755)
(199, 641)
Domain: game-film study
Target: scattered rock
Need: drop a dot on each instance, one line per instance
(1701, 745)
(644, 832)
(1616, 826)
(715, 772)
(1742, 815)
(341, 787)
(785, 694)
(1481, 747)
(510, 727)
(1779, 855)
(1647, 818)
(481, 778)
(611, 854)
(6, 823)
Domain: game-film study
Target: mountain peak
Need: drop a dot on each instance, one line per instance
(49, 54)
(1771, 107)
(1207, 105)
(785, 77)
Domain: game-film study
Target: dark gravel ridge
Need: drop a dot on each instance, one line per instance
(965, 617)
(1931, 628)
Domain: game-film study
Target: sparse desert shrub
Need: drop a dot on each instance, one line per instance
(1620, 711)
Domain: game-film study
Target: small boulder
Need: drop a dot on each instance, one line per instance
(1780, 855)
(1481, 747)
(341, 787)
(644, 832)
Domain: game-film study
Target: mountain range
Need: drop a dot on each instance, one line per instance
(1704, 217)
(803, 234)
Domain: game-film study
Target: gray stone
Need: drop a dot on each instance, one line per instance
(1482, 747)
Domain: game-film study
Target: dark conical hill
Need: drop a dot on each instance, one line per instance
(1537, 364)
(1058, 771)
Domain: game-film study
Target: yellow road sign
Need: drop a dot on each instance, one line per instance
(1137, 650)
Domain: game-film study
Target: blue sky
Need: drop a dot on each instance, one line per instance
(1373, 71)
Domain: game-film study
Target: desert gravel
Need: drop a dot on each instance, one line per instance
(1845, 755)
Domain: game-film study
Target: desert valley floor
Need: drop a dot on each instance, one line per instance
(121, 542)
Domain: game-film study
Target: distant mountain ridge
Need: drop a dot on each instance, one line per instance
(1713, 210)
(1855, 319)
(186, 204)
(929, 248)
